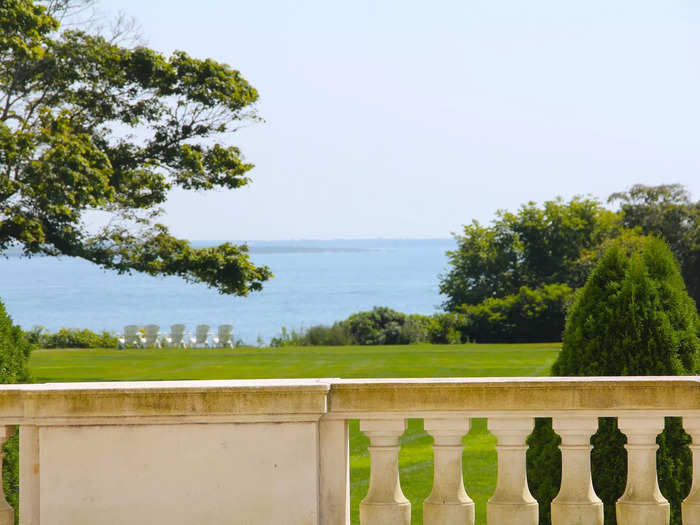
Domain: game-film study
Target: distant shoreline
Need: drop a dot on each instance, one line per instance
(298, 245)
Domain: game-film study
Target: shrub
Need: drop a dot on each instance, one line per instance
(414, 329)
(318, 335)
(321, 335)
(527, 317)
(633, 317)
(71, 338)
(285, 338)
(384, 326)
(376, 327)
(380, 326)
(10, 472)
(14, 354)
(14, 351)
(449, 328)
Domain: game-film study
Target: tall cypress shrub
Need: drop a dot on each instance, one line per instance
(632, 317)
(14, 351)
(14, 354)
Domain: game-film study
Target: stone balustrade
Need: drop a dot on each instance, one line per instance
(276, 451)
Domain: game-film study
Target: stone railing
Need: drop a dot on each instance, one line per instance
(276, 451)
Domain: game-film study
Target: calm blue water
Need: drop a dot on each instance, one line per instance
(315, 282)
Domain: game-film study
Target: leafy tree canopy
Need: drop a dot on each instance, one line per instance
(534, 247)
(88, 125)
(561, 242)
(668, 211)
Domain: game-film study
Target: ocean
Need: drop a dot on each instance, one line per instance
(316, 282)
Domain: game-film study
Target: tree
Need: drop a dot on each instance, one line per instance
(667, 210)
(534, 247)
(88, 125)
(632, 317)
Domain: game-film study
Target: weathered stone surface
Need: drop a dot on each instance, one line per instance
(179, 475)
(642, 503)
(384, 503)
(448, 502)
(577, 502)
(512, 502)
(538, 395)
(276, 451)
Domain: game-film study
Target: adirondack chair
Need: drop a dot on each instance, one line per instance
(176, 338)
(224, 338)
(151, 332)
(201, 337)
(130, 337)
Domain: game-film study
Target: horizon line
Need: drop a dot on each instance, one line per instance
(311, 239)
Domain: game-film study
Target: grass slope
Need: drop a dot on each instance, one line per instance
(379, 361)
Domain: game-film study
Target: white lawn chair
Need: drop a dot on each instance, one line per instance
(176, 338)
(131, 337)
(151, 332)
(224, 339)
(201, 337)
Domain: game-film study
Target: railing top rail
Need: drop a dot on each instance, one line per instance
(672, 394)
(176, 401)
(526, 379)
(199, 385)
(324, 382)
(163, 401)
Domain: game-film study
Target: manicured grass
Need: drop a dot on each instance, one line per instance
(380, 361)
(323, 361)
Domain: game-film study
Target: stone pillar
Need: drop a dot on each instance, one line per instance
(512, 503)
(448, 501)
(576, 503)
(642, 503)
(7, 514)
(334, 469)
(691, 505)
(29, 509)
(385, 503)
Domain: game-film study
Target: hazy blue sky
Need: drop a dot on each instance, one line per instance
(401, 118)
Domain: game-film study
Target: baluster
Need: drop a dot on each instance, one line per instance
(576, 503)
(448, 501)
(691, 505)
(385, 503)
(7, 514)
(512, 503)
(642, 503)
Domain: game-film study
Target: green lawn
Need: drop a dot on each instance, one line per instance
(382, 361)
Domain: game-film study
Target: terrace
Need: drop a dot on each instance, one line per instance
(276, 451)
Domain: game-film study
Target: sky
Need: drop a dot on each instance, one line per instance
(408, 119)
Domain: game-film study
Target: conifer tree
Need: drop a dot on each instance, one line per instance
(632, 317)
(14, 351)
(14, 354)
